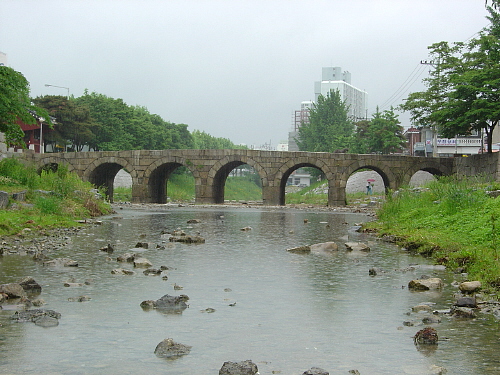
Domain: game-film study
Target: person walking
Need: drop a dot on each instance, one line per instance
(368, 188)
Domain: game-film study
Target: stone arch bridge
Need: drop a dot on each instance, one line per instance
(150, 170)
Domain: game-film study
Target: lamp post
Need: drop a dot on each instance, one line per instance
(41, 124)
(60, 87)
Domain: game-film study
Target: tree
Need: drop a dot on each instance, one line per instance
(329, 128)
(74, 125)
(15, 104)
(124, 127)
(205, 141)
(462, 94)
(385, 134)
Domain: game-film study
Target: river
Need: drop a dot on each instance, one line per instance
(287, 312)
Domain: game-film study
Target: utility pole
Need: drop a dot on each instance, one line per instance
(433, 127)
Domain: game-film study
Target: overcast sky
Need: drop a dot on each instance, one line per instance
(234, 69)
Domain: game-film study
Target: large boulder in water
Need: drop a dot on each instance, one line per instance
(167, 303)
(432, 283)
(324, 247)
(30, 285)
(239, 368)
(168, 348)
(41, 317)
(13, 290)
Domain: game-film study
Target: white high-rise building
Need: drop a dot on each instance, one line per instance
(3, 58)
(333, 78)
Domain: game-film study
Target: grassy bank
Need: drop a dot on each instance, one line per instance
(52, 198)
(454, 221)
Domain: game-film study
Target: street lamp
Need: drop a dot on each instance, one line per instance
(60, 87)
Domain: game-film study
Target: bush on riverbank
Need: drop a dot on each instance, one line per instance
(52, 198)
(455, 221)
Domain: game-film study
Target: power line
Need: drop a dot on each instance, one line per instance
(414, 75)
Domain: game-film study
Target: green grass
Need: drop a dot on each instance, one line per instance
(53, 198)
(452, 220)
(307, 196)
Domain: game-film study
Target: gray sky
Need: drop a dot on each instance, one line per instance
(234, 69)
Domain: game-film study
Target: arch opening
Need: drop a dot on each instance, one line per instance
(103, 177)
(423, 177)
(237, 181)
(364, 183)
(171, 182)
(49, 167)
(304, 183)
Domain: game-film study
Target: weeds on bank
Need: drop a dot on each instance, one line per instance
(453, 220)
(53, 198)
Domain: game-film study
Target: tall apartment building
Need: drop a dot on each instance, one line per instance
(332, 78)
(3, 58)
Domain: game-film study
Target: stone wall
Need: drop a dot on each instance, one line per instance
(479, 165)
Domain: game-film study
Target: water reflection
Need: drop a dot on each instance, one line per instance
(286, 312)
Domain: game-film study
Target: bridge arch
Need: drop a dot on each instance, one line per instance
(389, 178)
(102, 171)
(52, 162)
(428, 165)
(217, 175)
(293, 164)
(157, 173)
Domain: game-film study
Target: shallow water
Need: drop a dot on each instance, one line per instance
(291, 312)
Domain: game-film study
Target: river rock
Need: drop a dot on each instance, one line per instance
(122, 271)
(194, 221)
(374, 271)
(168, 348)
(463, 312)
(4, 199)
(142, 263)
(300, 249)
(30, 285)
(357, 246)
(466, 302)
(186, 238)
(433, 283)
(108, 248)
(422, 307)
(32, 315)
(61, 262)
(167, 303)
(426, 336)
(13, 290)
(152, 272)
(469, 286)
(239, 368)
(127, 257)
(324, 247)
(316, 371)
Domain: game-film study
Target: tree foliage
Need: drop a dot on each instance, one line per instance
(382, 134)
(124, 127)
(15, 104)
(74, 125)
(329, 127)
(205, 141)
(463, 90)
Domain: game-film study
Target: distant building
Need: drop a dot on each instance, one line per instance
(282, 146)
(300, 177)
(3, 58)
(333, 78)
(421, 142)
(300, 117)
